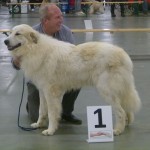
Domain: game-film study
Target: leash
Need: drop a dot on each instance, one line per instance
(21, 127)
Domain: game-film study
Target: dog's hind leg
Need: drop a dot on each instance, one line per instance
(110, 89)
(120, 117)
(129, 118)
(120, 114)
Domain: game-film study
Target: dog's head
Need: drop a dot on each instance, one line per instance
(21, 36)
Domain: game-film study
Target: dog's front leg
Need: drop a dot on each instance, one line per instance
(53, 100)
(42, 120)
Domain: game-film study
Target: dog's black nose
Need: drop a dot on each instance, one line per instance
(6, 42)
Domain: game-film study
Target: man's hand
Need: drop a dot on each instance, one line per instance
(16, 62)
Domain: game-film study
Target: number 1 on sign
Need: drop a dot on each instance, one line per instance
(100, 125)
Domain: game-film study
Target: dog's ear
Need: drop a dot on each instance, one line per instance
(34, 37)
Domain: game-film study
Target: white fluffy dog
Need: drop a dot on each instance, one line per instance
(96, 7)
(56, 67)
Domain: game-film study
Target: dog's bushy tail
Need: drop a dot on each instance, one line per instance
(132, 102)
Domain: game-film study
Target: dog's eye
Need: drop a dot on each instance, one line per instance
(17, 34)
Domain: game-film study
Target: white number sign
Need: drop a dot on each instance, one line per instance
(100, 126)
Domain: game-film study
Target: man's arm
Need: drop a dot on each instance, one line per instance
(65, 34)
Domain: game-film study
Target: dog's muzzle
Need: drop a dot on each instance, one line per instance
(10, 48)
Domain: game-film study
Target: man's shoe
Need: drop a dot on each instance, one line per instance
(71, 119)
(80, 13)
(113, 15)
(122, 15)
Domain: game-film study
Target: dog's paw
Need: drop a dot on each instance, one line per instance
(35, 125)
(48, 132)
(117, 132)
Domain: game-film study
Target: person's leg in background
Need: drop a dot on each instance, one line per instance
(32, 6)
(78, 9)
(68, 107)
(122, 9)
(112, 10)
(33, 102)
(145, 6)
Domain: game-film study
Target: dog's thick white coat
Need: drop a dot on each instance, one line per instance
(56, 67)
